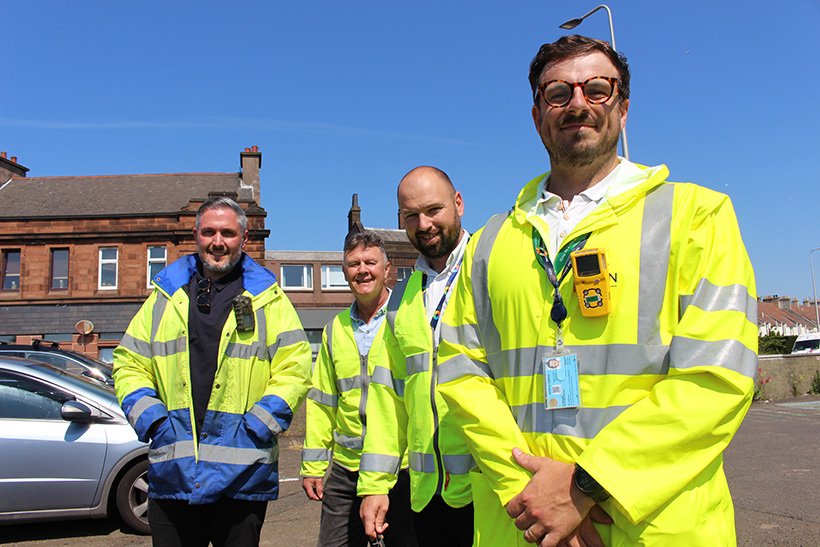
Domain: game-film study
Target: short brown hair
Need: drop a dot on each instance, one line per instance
(575, 45)
(364, 239)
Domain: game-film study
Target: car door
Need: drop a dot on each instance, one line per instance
(46, 462)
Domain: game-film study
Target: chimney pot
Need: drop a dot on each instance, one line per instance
(14, 159)
(255, 149)
(247, 149)
(3, 155)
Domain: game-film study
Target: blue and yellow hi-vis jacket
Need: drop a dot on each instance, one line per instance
(261, 378)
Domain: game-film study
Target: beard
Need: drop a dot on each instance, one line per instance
(445, 245)
(581, 152)
(220, 268)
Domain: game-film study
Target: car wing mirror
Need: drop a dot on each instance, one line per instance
(75, 411)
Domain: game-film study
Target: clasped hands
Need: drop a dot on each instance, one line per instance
(551, 510)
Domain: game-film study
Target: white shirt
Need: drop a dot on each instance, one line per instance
(437, 282)
(562, 217)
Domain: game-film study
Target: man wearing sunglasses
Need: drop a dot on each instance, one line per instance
(211, 371)
(600, 349)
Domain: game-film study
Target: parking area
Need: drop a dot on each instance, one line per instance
(772, 466)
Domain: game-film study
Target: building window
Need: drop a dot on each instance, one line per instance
(11, 270)
(403, 272)
(59, 269)
(333, 277)
(157, 258)
(108, 268)
(297, 276)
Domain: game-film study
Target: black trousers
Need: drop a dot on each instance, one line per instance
(439, 525)
(226, 522)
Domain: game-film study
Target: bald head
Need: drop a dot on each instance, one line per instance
(432, 210)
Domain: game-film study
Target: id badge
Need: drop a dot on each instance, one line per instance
(561, 386)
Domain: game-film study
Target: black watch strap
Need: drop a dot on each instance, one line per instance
(585, 483)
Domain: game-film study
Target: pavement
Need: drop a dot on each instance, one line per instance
(772, 465)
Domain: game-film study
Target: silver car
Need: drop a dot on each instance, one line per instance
(66, 449)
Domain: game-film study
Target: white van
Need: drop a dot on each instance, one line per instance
(807, 343)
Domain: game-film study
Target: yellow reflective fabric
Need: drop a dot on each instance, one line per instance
(334, 403)
(405, 412)
(665, 379)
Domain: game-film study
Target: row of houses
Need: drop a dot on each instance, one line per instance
(77, 253)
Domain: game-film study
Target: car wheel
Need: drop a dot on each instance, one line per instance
(132, 498)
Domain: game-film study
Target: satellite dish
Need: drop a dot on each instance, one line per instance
(84, 327)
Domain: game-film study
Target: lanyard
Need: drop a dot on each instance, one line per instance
(437, 314)
(558, 312)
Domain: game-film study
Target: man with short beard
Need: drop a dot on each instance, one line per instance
(600, 350)
(404, 411)
(211, 371)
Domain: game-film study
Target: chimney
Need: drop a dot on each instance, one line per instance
(10, 168)
(251, 161)
(354, 217)
(784, 303)
(401, 221)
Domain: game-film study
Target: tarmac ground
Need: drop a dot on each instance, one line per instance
(772, 465)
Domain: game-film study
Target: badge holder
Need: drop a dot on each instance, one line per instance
(562, 387)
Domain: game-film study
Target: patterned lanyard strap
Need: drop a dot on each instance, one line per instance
(437, 314)
(558, 312)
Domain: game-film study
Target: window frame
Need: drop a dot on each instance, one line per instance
(51, 275)
(4, 273)
(400, 269)
(149, 261)
(307, 276)
(325, 281)
(101, 261)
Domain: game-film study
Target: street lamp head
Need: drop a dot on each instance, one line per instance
(571, 24)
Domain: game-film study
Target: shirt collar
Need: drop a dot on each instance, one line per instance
(354, 309)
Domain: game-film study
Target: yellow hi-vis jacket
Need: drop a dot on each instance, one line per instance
(336, 404)
(665, 379)
(260, 381)
(405, 413)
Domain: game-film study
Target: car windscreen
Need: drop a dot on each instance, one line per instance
(805, 345)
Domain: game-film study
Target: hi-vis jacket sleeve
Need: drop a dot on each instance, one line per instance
(661, 446)
(321, 406)
(475, 403)
(386, 439)
(136, 376)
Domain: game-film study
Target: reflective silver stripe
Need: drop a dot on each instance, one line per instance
(237, 456)
(179, 449)
(383, 377)
(582, 423)
(488, 333)
(419, 362)
(135, 345)
(394, 303)
(458, 464)
(156, 313)
(323, 398)
(656, 242)
(236, 350)
(287, 338)
(710, 297)
(142, 404)
(455, 464)
(169, 347)
(621, 359)
(266, 419)
(262, 329)
(329, 336)
(346, 441)
(380, 463)
(732, 354)
(346, 384)
(465, 335)
(316, 455)
(458, 367)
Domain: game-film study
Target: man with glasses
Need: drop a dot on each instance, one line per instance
(600, 349)
(211, 371)
(352, 347)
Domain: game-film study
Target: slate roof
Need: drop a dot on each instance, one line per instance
(24, 197)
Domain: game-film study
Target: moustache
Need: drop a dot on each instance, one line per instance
(572, 119)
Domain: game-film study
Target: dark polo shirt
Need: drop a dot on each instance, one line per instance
(205, 325)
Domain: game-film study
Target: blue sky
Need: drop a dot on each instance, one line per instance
(346, 97)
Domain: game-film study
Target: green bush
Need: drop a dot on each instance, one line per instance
(815, 384)
(775, 344)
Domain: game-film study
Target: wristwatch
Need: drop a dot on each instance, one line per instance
(585, 483)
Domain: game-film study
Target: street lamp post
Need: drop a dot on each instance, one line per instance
(571, 24)
(814, 290)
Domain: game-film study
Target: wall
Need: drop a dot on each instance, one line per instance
(785, 371)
